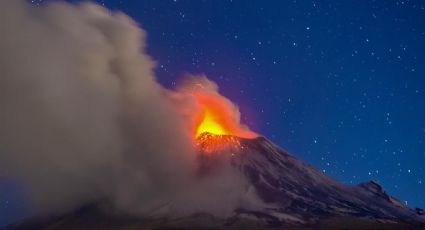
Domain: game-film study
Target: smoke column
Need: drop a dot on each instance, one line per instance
(83, 119)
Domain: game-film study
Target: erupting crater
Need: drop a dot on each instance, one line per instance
(216, 133)
(216, 120)
(213, 143)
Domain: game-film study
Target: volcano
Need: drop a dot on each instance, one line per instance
(287, 193)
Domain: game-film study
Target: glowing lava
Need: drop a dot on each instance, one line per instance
(210, 124)
(217, 128)
(211, 143)
(218, 116)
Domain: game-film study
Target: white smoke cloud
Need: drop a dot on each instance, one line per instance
(82, 117)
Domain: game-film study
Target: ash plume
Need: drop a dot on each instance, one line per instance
(82, 117)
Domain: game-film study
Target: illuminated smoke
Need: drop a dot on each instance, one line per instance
(210, 111)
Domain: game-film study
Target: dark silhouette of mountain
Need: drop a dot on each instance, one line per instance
(289, 193)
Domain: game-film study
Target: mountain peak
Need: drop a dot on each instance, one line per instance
(212, 143)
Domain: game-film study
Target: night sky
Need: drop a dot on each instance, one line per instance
(338, 84)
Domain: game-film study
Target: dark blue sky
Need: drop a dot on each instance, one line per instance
(339, 84)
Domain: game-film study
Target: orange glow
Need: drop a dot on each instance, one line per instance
(208, 111)
(217, 115)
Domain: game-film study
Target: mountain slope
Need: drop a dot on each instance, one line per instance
(295, 192)
(287, 193)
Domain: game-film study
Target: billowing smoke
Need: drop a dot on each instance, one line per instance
(83, 119)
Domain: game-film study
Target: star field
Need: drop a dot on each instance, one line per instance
(339, 84)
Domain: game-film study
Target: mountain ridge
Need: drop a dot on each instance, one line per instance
(297, 187)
